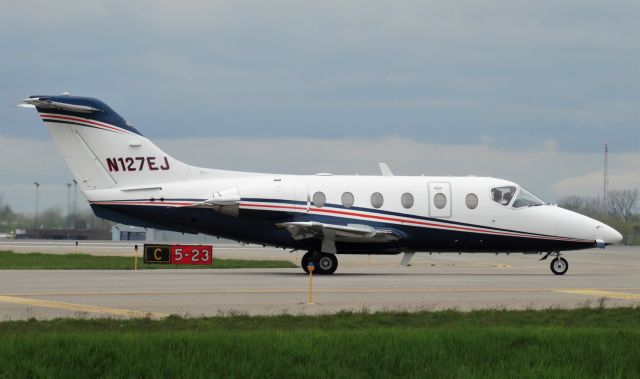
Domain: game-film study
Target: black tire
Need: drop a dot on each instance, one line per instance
(326, 264)
(305, 261)
(559, 266)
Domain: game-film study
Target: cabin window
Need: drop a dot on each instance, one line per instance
(503, 195)
(319, 199)
(471, 200)
(440, 200)
(347, 199)
(377, 200)
(407, 200)
(526, 199)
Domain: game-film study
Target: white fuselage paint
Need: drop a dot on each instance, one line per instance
(127, 178)
(546, 220)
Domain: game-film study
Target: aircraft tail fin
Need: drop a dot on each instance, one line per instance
(101, 148)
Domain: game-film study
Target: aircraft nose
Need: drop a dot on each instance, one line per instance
(609, 235)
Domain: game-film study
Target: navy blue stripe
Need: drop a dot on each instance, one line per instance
(194, 220)
(397, 214)
(378, 211)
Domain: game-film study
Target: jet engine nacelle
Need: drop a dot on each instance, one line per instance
(229, 201)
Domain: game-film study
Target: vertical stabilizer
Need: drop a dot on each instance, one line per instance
(100, 148)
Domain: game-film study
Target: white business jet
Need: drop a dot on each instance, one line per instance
(128, 179)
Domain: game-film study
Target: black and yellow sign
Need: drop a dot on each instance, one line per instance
(157, 253)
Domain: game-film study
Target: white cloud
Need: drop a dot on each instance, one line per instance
(520, 73)
(490, 88)
(543, 170)
(592, 183)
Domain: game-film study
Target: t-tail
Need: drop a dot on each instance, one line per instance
(102, 149)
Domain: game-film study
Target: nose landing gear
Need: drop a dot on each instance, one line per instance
(325, 263)
(559, 265)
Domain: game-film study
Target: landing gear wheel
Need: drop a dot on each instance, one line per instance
(559, 266)
(327, 264)
(308, 257)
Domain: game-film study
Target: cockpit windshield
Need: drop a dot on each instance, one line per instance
(526, 199)
(503, 195)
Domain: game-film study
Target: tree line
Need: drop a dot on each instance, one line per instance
(620, 209)
(51, 218)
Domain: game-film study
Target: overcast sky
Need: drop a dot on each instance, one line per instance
(526, 90)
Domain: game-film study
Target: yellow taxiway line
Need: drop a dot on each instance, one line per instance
(79, 307)
(20, 299)
(601, 293)
(328, 290)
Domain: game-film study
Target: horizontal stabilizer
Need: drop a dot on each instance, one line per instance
(45, 103)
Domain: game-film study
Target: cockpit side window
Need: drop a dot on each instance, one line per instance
(503, 195)
(526, 199)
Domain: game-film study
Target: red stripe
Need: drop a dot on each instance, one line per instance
(274, 206)
(346, 213)
(77, 119)
(125, 202)
(385, 218)
(350, 213)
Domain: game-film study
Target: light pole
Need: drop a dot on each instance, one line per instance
(75, 203)
(68, 203)
(37, 201)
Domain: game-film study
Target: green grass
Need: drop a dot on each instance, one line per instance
(37, 261)
(592, 343)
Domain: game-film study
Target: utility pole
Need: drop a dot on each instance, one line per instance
(605, 183)
(37, 203)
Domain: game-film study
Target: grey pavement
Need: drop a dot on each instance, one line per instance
(439, 281)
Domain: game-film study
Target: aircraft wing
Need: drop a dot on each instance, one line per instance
(346, 233)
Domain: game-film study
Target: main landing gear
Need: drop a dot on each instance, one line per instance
(559, 265)
(325, 263)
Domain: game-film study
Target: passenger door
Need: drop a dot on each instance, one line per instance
(302, 194)
(439, 199)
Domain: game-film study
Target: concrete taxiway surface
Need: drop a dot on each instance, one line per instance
(432, 282)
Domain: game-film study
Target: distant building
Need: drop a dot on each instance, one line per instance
(62, 234)
(121, 232)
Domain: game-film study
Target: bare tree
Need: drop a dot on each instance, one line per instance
(587, 205)
(572, 203)
(593, 205)
(622, 203)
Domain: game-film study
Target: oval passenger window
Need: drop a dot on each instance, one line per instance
(471, 200)
(347, 199)
(377, 200)
(319, 199)
(440, 200)
(407, 200)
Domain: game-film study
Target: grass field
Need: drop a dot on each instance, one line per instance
(37, 261)
(591, 343)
